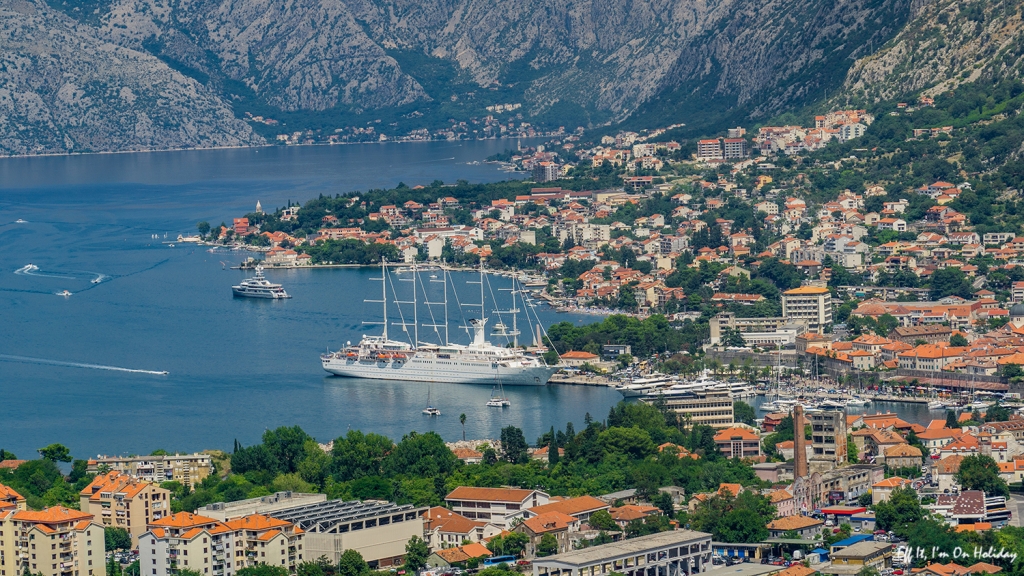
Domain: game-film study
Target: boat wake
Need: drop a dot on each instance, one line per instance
(28, 360)
(33, 270)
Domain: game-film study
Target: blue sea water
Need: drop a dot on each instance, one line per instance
(236, 367)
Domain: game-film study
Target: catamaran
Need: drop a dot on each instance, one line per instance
(479, 362)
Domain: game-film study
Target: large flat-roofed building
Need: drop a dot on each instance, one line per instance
(118, 500)
(188, 469)
(708, 407)
(812, 304)
(672, 553)
(777, 330)
(57, 541)
(496, 505)
(377, 530)
(853, 559)
(263, 505)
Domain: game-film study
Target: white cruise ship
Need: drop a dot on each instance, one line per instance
(259, 287)
(480, 362)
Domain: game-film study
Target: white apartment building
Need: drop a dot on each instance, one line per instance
(494, 505)
(188, 469)
(709, 149)
(809, 303)
(119, 500)
(211, 547)
(56, 541)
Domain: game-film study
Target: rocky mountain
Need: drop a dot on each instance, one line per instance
(62, 89)
(947, 43)
(583, 58)
(187, 68)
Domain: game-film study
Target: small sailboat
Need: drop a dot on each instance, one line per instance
(498, 400)
(430, 410)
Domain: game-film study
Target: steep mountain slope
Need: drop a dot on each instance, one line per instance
(947, 43)
(64, 90)
(694, 61)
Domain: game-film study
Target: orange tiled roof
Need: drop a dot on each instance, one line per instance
(735, 433)
(8, 493)
(571, 506)
(894, 482)
(257, 522)
(549, 522)
(795, 522)
(53, 515)
(183, 520)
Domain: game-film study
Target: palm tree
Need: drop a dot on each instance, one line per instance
(462, 420)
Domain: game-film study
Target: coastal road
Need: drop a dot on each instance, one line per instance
(1015, 503)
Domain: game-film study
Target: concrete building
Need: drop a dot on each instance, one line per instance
(187, 469)
(810, 303)
(734, 148)
(736, 442)
(377, 530)
(828, 441)
(211, 547)
(118, 500)
(769, 331)
(9, 498)
(853, 559)
(497, 505)
(709, 407)
(709, 149)
(265, 505)
(880, 491)
(443, 528)
(560, 526)
(672, 553)
(56, 541)
(805, 526)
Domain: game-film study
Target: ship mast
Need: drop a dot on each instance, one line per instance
(384, 295)
(426, 300)
(415, 316)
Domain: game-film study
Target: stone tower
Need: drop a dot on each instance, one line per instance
(799, 443)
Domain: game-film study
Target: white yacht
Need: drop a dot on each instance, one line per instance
(479, 362)
(936, 405)
(640, 386)
(259, 287)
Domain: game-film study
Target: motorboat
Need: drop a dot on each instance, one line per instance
(936, 405)
(64, 293)
(20, 221)
(259, 287)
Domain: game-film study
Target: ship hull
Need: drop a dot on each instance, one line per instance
(430, 371)
(241, 293)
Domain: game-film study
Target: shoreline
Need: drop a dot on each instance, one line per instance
(259, 146)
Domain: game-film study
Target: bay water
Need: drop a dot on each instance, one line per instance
(79, 370)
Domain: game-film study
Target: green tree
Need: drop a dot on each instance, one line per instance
(514, 448)
(190, 572)
(980, 472)
(133, 569)
(553, 449)
(602, 520)
(958, 340)
(511, 544)
(113, 567)
(547, 546)
(422, 455)
(633, 442)
(462, 420)
(55, 453)
(116, 539)
(259, 570)
(416, 553)
(743, 412)
(351, 563)
(867, 571)
(951, 420)
(900, 511)
(663, 500)
(204, 228)
(997, 413)
(287, 445)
